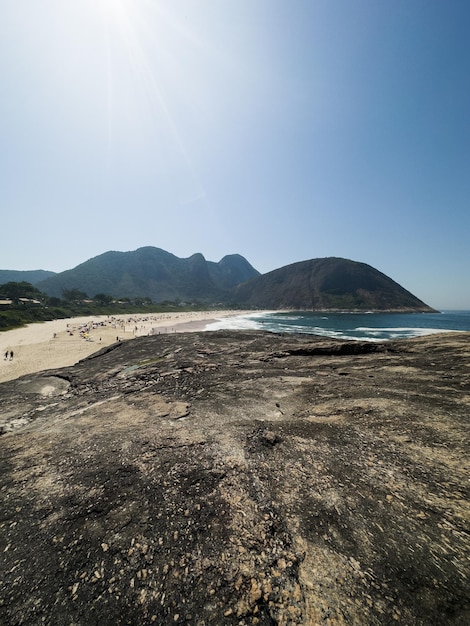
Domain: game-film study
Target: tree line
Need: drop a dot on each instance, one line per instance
(22, 303)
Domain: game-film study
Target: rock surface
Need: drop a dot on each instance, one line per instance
(239, 478)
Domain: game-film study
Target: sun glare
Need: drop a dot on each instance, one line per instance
(151, 44)
(112, 7)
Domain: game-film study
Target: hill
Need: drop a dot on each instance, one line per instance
(154, 273)
(28, 276)
(327, 284)
(317, 284)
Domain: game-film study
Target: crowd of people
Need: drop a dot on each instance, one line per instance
(59, 343)
(137, 325)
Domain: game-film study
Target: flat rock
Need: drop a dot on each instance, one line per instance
(239, 478)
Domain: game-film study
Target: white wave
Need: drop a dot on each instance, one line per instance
(285, 318)
(256, 315)
(356, 338)
(269, 321)
(338, 334)
(421, 332)
(404, 329)
(239, 322)
(323, 332)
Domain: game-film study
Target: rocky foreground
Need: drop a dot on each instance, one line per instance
(239, 478)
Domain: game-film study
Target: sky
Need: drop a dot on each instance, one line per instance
(281, 130)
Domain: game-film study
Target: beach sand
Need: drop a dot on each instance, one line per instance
(59, 343)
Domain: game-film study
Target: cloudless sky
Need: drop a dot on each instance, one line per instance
(282, 130)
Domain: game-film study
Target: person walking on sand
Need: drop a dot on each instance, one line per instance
(6, 355)
(11, 355)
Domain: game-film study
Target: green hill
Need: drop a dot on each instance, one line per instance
(154, 273)
(27, 276)
(317, 284)
(327, 284)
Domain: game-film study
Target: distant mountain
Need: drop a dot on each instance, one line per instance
(28, 276)
(154, 273)
(327, 284)
(318, 284)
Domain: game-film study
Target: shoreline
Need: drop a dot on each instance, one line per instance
(60, 343)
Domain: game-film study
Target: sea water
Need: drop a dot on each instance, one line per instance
(363, 326)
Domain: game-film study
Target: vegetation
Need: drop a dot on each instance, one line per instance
(29, 304)
(153, 273)
(152, 280)
(327, 284)
(17, 291)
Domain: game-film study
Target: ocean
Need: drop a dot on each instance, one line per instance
(361, 326)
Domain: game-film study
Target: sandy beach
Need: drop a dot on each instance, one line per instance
(59, 343)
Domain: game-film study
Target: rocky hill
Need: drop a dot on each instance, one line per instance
(327, 284)
(238, 478)
(153, 273)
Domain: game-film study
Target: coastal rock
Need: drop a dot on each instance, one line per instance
(239, 478)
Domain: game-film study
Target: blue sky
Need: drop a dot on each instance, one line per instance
(279, 130)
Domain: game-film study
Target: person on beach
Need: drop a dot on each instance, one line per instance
(11, 355)
(6, 355)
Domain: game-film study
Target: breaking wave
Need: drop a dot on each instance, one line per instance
(377, 326)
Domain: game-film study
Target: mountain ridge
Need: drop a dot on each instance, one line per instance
(29, 276)
(154, 273)
(329, 283)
